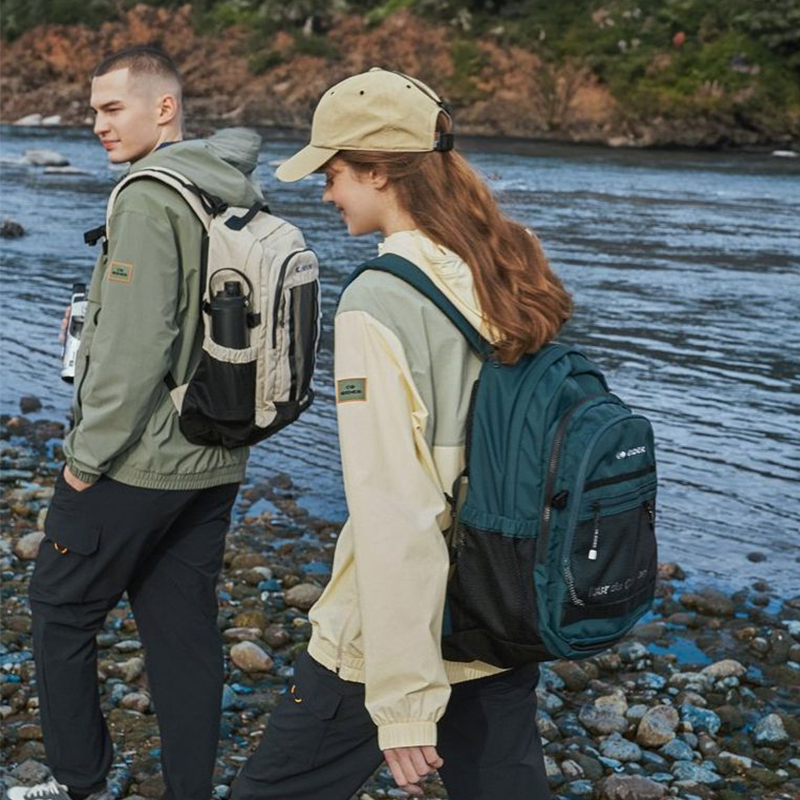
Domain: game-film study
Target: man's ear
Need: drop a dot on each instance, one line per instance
(168, 109)
(378, 179)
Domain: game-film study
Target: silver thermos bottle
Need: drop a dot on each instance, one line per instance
(72, 336)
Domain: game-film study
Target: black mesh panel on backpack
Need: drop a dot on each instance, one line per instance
(491, 600)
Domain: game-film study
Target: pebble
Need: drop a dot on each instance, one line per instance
(574, 677)
(633, 787)
(677, 750)
(128, 646)
(27, 547)
(616, 747)
(548, 701)
(688, 771)
(602, 721)
(31, 772)
(724, 669)
(701, 718)
(710, 602)
(657, 726)
(250, 657)
(302, 596)
(614, 702)
(770, 730)
(630, 723)
(242, 634)
(136, 701)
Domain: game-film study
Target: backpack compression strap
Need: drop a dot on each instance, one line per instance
(410, 273)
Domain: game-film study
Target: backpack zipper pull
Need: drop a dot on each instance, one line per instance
(593, 550)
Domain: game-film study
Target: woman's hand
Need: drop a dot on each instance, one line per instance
(409, 765)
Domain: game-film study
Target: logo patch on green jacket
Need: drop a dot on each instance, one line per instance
(120, 271)
(351, 389)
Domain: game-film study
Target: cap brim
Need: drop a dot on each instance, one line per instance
(301, 164)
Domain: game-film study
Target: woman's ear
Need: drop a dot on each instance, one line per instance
(378, 179)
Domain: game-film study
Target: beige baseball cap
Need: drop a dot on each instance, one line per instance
(376, 110)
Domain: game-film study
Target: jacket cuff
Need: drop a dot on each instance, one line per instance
(406, 734)
(80, 474)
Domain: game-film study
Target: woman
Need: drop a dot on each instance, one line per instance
(373, 683)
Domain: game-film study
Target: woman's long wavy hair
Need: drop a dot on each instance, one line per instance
(519, 294)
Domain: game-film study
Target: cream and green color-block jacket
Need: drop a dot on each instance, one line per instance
(143, 321)
(403, 379)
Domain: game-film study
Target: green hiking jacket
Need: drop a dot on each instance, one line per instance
(143, 322)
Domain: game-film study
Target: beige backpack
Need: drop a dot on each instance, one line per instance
(238, 397)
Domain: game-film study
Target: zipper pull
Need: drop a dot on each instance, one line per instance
(593, 550)
(650, 513)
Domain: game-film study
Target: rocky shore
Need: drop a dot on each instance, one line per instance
(701, 701)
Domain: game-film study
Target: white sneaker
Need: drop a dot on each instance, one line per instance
(52, 790)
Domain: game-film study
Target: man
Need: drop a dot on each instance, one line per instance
(138, 508)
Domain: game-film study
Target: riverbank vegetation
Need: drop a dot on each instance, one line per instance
(671, 59)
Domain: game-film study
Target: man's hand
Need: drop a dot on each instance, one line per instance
(77, 484)
(409, 765)
(62, 333)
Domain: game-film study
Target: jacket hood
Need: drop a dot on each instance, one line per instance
(222, 164)
(446, 269)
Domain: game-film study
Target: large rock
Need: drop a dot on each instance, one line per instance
(302, 596)
(11, 229)
(633, 787)
(27, 547)
(250, 657)
(46, 158)
(657, 726)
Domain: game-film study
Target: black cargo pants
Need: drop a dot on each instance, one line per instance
(321, 744)
(165, 548)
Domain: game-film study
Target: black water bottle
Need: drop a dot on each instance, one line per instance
(229, 316)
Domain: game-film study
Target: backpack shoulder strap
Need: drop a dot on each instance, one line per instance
(204, 204)
(407, 271)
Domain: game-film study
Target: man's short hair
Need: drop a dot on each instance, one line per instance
(141, 60)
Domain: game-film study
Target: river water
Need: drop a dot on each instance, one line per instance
(685, 269)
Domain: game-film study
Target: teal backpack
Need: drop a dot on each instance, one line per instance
(552, 546)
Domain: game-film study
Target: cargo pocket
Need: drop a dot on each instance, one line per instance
(218, 405)
(298, 725)
(65, 569)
